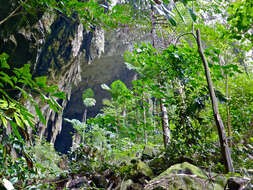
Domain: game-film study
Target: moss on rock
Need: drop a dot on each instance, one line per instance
(183, 176)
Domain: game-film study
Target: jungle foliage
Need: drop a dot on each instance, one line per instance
(170, 84)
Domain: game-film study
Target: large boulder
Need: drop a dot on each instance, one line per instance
(184, 176)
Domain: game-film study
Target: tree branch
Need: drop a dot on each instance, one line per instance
(190, 33)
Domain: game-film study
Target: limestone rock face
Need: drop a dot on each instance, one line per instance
(55, 47)
(61, 58)
(23, 37)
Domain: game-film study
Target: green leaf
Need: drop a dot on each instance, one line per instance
(3, 60)
(41, 117)
(4, 93)
(30, 122)
(184, 2)
(18, 121)
(4, 121)
(172, 21)
(16, 132)
(41, 81)
(178, 12)
(6, 78)
(192, 13)
(88, 93)
(23, 92)
(51, 105)
(56, 106)
(51, 89)
(60, 95)
(43, 97)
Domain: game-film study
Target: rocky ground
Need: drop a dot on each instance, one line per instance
(151, 171)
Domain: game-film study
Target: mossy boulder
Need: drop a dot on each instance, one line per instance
(185, 168)
(183, 176)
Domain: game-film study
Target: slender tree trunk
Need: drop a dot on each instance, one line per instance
(154, 116)
(221, 130)
(145, 125)
(150, 111)
(144, 120)
(124, 115)
(137, 120)
(165, 124)
(118, 123)
(137, 124)
(84, 115)
(228, 114)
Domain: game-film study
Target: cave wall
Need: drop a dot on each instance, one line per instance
(104, 68)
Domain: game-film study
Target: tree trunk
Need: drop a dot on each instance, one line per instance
(117, 123)
(144, 120)
(84, 115)
(228, 114)
(137, 122)
(124, 116)
(165, 124)
(145, 125)
(221, 130)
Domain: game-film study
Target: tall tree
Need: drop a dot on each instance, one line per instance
(219, 123)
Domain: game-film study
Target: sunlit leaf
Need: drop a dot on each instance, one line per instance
(41, 81)
(41, 117)
(60, 95)
(15, 130)
(30, 121)
(192, 13)
(105, 87)
(18, 121)
(57, 107)
(4, 121)
(178, 12)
